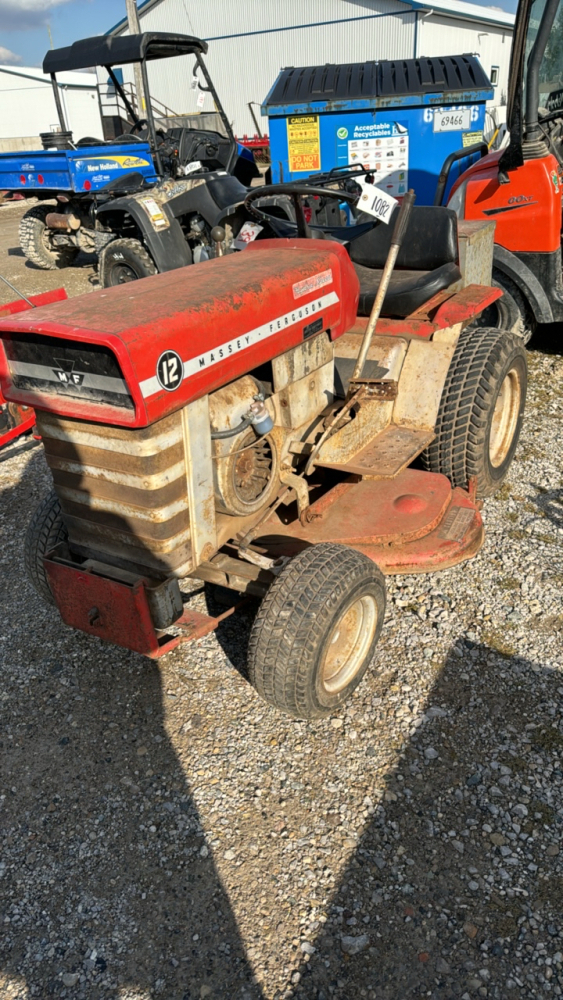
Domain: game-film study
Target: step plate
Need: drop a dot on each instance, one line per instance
(415, 523)
(387, 455)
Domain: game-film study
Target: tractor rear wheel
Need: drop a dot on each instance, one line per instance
(511, 312)
(46, 529)
(481, 410)
(122, 261)
(316, 630)
(36, 241)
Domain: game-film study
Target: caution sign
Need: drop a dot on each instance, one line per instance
(303, 143)
(471, 138)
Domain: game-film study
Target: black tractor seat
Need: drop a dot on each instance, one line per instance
(427, 261)
(408, 290)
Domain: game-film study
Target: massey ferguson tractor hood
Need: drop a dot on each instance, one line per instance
(128, 356)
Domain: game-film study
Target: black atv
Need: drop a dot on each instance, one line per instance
(209, 213)
(152, 219)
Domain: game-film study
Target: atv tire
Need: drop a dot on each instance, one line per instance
(122, 261)
(511, 312)
(46, 529)
(35, 241)
(481, 410)
(316, 630)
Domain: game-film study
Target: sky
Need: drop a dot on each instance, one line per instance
(24, 24)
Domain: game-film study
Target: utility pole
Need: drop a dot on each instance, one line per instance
(135, 29)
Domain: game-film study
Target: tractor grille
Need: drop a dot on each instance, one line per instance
(64, 368)
(123, 492)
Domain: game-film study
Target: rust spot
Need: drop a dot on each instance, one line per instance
(207, 552)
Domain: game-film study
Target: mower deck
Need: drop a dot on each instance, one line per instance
(414, 523)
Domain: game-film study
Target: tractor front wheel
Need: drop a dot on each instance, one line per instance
(46, 529)
(316, 630)
(122, 261)
(481, 410)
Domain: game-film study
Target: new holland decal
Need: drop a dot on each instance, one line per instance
(92, 164)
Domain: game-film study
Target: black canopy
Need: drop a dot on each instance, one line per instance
(111, 50)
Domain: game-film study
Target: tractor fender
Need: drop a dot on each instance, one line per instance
(167, 246)
(525, 280)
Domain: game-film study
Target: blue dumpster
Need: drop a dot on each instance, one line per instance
(401, 119)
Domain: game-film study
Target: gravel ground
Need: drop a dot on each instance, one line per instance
(166, 834)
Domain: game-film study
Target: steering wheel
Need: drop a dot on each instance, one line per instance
(295, 190)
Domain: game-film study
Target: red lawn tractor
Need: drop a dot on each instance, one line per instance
(17, 419)
(520, 187)
(245, 425)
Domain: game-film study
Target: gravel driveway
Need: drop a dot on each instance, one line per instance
(165, 834)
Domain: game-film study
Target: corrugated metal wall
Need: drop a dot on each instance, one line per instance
(245, 67)
(267, 36)
(443, 36)
(28, 108)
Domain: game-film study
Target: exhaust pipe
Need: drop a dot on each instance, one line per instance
(68, 223)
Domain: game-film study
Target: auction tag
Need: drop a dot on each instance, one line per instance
(200, 99)
(191, 168)
(247, 234)
(374, 201)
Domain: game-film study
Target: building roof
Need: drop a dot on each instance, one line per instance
(81, 81)
(448, 8)
(467, 11)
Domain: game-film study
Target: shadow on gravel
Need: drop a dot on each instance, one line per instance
(435, 900)
(107, 886)
(24, 443)
(550, 504)
(233, 633)
(548, 339)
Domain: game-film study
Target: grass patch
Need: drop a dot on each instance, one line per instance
(548, 739)
(504, 917)
(549, 893)
(528, 452)
(509, 583)
(497, 641)
(518, 764)
(547, 812)
(504, 492)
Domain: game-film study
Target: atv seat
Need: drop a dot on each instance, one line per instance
(427, 261)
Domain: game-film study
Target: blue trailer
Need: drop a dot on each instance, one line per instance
(400, 119)
(45, 172)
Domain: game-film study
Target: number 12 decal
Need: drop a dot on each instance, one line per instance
(170, 370)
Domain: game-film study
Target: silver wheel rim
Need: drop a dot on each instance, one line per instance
(505, 418)
(348, 644)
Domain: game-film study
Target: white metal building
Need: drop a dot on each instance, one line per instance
(250, 42)
(28, 106)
